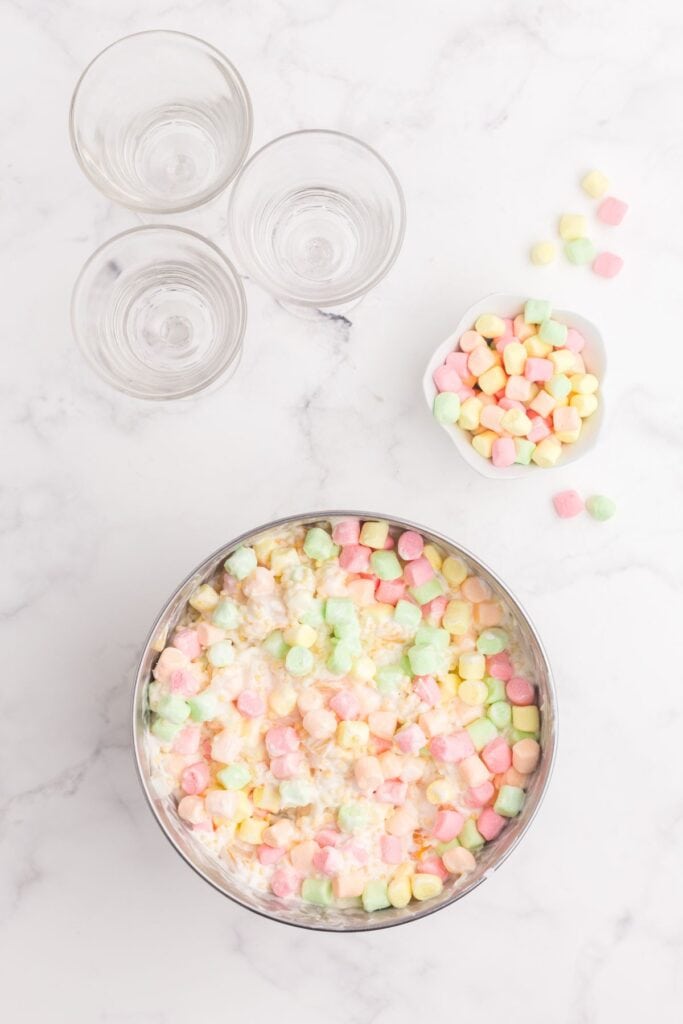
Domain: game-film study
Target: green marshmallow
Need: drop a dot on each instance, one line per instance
(509, 802)
(340, 659)
(559, 385)
(600, 507)
(523, 451)
(318, 544)
(492, 641)
(424, 660)
(234, 776)
(446, 407)
(500, 714)
(579, 250)
(407, 615)
(226, 614)
(165, 730)
(552, 332)
(481, 732)
(173, 708)
(375, 896)
(339, 610)
(385, 565)
(203, 707)
(516, 735)
(351, 817)
(389, 679)
(275, 645)
(221, 654)
(426, 592)
(496, 688)
(296, 793)
(241, 562)
(432, 635)
(313, 616)
(442, 848)
(349, 632)
(299, 661)
(470, 837)
(536, 311)
(317, 890)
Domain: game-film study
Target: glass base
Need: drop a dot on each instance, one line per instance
(316, 313)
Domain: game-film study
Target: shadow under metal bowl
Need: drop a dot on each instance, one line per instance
(296, 912)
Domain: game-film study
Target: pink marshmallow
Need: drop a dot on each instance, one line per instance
(355, 558)
(503, 452)
(447, 825)
(358, 852)
(287, 766)
(451, 748)
(251, 704)
(499, 666)
(328, 860)
(465, 392)
(574, 340)
(518, 388)
(432, 866)
(193, 809)
(490, 824)
(434, 610)
(478, 796)
(568, 504)
(390, 591)
(391, 849)
(510, 403)
(417, 572)
(538, 369)
(346, 532)
(328, 837)
(497, 756)
(446, 379)
(187, 740)
(539, 429)
(427, 689)
(458, 362)
(470, 340)
(607, 264)
(566, 418)
(480, 359)
(285, 883)
(491, 418)
(612, 211)
(411, 739)
(195, 778)
(393, 791)
(345, 704)
(410, 545)
(270, 854)
(187, 641)
(281, 739)
(183, 682)
(519, 691)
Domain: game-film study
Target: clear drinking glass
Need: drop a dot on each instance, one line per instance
(317, 218)
(159, 312)
(160, 122)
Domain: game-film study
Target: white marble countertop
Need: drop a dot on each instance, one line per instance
(489, 112)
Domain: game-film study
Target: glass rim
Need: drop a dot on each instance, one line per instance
(235, 349)
(224, 181)
(357, 293)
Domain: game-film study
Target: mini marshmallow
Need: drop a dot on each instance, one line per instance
(612, 211)
(607, 264)
(572, 226)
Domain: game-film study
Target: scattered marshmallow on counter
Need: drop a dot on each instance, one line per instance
(570, 503)
(519, 386)
(343, 714)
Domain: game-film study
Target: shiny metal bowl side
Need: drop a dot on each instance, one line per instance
(295, 912)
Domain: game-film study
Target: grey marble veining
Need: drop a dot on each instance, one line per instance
(489, 113)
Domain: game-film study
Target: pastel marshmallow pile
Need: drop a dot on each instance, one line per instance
(519, 387)
(343, 716)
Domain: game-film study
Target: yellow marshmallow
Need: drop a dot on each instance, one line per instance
(543, 403)
(473, 692)
(547, 452)
(379, 612)
(433, 556)
(454, 571)
(457, 617)
(204, 598)
(595, 184)
(266, 798)
(568, 436)
(425, 887)
(536, 348)
(399, 892)
(243, 806)
(282, 700)
(352, 734)
(493, 380)
(562, 359)
(441, 791)
(572, 226)
(448, 684)
(301, 635)
(584, 383)
(364, 668)
(483, 443)
(470, 411)
(263, 549)
(526, 719)
(516, 422)
(514, 358)
(490, 326)
(542, 253)
(251, 831)
(472, 666)
(585, 405)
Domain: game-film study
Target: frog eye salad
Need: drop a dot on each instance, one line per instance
(518, 386)
(344, 715)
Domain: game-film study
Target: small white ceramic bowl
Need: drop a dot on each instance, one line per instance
(594, 356)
